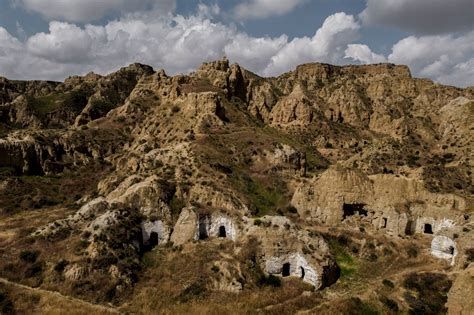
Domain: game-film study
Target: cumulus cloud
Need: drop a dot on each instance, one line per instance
(176, 43)
(421, 16)
(261, 9)
(179, 44)
(442, 57)
(327, 45)
(447, 59)
(363, 54)
(91, 10)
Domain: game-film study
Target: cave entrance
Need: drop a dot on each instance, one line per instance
(351, 209)
(222, 231)
(286, 270)
(302, 272)
(384, 223)
(153, 241)
(451, 250)
(409, 228)
(428, 229)
(203, 230)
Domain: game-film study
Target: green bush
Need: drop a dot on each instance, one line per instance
(6, 305)
(388, 283)
(29, 256)
(470, 254)
(270, 280)
(427, 292)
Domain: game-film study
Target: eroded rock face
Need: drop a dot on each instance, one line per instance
(444, 247)
(399, 205)
(286, 251)
(155, 232)
(185, 228)
(293, 264)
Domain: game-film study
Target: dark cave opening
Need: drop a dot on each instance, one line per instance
(222, 231)
(351, 209)
(203, 230)
(286, 270)
(153, 241)
(428, 229)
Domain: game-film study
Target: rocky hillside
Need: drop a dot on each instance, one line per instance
(224, 191)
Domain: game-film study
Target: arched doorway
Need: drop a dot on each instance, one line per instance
(153, 241)
(302, 272)
(428, 229)
(203, 230)
(286, 270)
(222, 231)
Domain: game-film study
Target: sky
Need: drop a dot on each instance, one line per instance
(54, 39)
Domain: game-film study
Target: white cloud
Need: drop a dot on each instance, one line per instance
(91, 10)
(421, 16)
(180, 44)
(447, 59)
(176, 43)
(64, 43)
(261, 9)
(327, 45)
(363, 54)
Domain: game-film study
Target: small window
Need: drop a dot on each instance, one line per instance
(384, 223)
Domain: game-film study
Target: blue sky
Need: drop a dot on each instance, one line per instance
(53, 39)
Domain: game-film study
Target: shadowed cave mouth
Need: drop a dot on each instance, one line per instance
(351, 209)
(222, 232)
(153, 241)
(428, 229)
(203, 230)
(286, 270)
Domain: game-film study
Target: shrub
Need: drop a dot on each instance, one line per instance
(412, 251)
(6, 305)
(430, 292)
(61, 265)
(34, 270)
(270, 280)
(389, 303)
(470, 254)
(388, 283)
(29, 256)
(292, 209)
(257, 222)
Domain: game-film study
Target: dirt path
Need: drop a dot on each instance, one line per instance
(73, 303)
